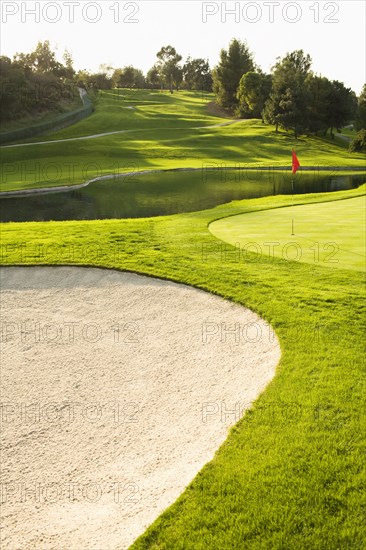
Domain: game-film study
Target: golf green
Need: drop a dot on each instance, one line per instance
(329, 234)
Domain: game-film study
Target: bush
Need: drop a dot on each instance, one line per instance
(358, 144)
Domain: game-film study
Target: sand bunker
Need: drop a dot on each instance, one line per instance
(116, 390)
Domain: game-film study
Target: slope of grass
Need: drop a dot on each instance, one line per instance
(162, 133)
(331, 234)
(64, 106)
(125, 109)
(291, 473)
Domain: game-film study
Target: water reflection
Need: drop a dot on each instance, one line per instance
(163, 193)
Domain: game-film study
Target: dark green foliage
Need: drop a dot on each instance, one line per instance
(153, 77)
(54, 124)
(306, 103)
(253, 92)
(287, 105)
(234, 62)
(34, 83)
(341, 106)
(361, 110)
(170, 71)
(319, 90)
(358, 145)
(128, 77)
(197, 75)
(96, 81)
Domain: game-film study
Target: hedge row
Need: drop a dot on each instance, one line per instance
(58, 123)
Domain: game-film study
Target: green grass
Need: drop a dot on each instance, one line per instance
(161, 134)
(332, 234)
(350, 132)
(291, 473)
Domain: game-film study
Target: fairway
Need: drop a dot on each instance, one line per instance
(163, 132)
(328, 234)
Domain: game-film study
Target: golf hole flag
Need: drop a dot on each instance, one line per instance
(295, 162)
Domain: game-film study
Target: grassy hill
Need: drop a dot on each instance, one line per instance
(64, 106)
(160, 131)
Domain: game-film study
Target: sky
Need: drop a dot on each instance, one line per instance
(121, 33)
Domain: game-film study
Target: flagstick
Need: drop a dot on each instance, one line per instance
(295, 167)
(292, 225)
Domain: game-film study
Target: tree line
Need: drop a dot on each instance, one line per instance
(291, 96)
(35, 82)
(168, 73)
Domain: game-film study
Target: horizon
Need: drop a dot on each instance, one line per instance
(141, 28)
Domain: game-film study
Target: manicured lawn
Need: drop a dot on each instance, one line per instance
(162, 132)
(332, 234)
(291, 473)
(350, 132)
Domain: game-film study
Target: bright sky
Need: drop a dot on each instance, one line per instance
(121, 33)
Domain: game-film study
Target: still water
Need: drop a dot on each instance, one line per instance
(163, 193)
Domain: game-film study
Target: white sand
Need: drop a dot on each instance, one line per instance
(102, 430)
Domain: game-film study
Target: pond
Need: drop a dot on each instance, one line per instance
(168, 192)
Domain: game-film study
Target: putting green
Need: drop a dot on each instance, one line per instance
(328, 234)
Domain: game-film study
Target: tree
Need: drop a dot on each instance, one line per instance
(169, 68)
(287, 104)
(341, 106)
(43, 59)
(69, 65)
(99, 81)
(319, 90)
(116, 78)
(233, 64)
(140, 80)
(358, 144)
(176, 78)
(13, 86)
(35, 82)
(82, 79)
(153, 77)
(253, 92)
(107, 69)
(361, 110)
(197, 74)
(128, 77)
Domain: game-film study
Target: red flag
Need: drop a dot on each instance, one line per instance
(295, 162)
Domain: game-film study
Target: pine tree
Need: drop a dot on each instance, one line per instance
(234, 63)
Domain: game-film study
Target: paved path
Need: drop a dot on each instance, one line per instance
(344, 138)
(94, 136)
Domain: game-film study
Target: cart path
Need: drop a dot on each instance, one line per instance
(95, 136)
